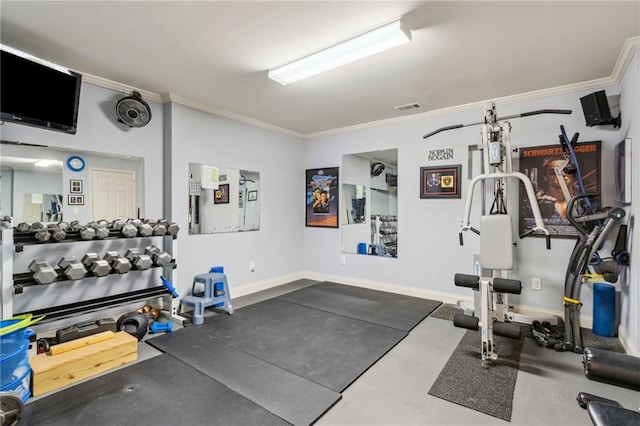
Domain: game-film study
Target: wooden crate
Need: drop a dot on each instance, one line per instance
(51, 372)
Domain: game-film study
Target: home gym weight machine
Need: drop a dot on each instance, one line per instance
(496, 238)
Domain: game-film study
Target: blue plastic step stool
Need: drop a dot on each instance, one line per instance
(211, 295)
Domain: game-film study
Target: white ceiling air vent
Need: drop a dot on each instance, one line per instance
(408, 107)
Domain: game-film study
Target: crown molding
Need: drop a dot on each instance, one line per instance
(174, 98)
(630, 46)
(119, 87)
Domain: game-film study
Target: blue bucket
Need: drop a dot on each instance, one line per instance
(15, 371)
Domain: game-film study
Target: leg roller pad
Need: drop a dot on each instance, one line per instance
(504, 285)
(507, 329)
(612, 367)
(585, 398)
(466, 280)
(466, 321)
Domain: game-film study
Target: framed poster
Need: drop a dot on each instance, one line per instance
(440, 182)
(538, 164)
(322, 197)
(76, 200)
(75, 186)
(221, 195)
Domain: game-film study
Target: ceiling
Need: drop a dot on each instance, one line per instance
(215, 55)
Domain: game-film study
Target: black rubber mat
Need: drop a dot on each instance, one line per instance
(159, 391)
(328, 349)
(465, 382)
(291, 397)
(378, 307)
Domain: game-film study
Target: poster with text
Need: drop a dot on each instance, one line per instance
(580, 175)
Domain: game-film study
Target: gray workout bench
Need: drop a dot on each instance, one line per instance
(615, 369)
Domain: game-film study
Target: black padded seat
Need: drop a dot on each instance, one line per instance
(603, 414)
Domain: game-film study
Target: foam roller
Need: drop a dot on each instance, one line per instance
(466, 280)
(466, 321)
(612, 367)
(504, 285)
(507, 329)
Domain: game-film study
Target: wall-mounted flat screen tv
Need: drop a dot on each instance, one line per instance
(38, 93)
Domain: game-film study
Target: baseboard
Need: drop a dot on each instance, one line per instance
(586, 321)
(627, 344)
(265, 285)
(392, 288)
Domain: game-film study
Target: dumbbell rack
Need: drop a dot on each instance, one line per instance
(13, 284)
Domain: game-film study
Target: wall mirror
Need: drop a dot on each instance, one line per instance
(223, 199)
(45, 184)
(370, 203)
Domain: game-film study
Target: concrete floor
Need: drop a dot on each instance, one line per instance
(394, 391)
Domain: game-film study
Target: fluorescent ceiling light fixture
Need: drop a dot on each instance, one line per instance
(46, 163)
(366, 44)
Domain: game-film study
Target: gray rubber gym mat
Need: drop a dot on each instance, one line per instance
(328, 349)
(159, 391)
(379, 307)
(293, 398)
(465, 382)
(446, 311)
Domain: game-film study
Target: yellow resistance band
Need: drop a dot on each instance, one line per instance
(570, 300)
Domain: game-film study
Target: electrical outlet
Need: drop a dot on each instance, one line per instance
(343, 260)
(252, 265)
(536, 283)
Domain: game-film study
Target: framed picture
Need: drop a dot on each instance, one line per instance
(440, 182)
(538, 164)
(252, 195)
(221, 195)
(75, 186)
(321, 202)
(76, 200)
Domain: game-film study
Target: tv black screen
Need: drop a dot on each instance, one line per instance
(35, 93)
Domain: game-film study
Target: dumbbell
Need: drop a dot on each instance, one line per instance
(23, 227)
(38, 229)
(99, 267)
(160, 327)
(72, 267)
(160, 258)
(57, 233)
(159, 229)
(138, 259)
(120, 264)
(172, 227)
(43, 272)
(101, 229)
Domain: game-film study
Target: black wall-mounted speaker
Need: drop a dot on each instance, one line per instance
(596, 109)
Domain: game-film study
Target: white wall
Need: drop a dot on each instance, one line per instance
(630, 108)
(430, 253)
(199, 137)
(99, 132)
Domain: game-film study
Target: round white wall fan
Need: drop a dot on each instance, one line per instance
(133, 111)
